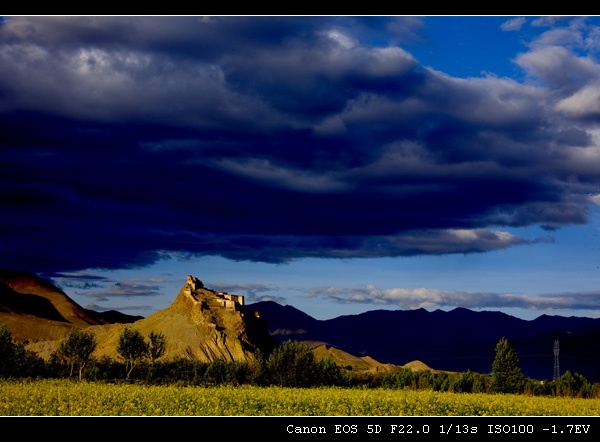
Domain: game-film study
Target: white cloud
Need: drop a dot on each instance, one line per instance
(558, 66)
(584, 103)
(595, 199)
(514, 24)
(341, 39)
(430, 298)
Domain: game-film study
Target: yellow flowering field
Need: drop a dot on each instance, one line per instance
(71, 398)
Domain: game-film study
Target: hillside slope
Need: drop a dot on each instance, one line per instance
(36, 311)
(455, 341)
(200, 325)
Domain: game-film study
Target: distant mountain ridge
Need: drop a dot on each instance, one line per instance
(41, 315)
(457, 340)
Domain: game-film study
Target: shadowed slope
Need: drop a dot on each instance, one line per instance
(198, 326)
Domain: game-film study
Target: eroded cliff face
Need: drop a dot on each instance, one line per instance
(201, 324)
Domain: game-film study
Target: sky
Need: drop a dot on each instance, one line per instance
(337, 164)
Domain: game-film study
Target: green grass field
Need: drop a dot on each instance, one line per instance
(71, 398)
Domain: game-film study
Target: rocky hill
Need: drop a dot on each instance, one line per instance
(200, 324)
(37, 311)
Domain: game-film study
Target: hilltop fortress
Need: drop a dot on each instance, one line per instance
(227, 300)
(200, 324)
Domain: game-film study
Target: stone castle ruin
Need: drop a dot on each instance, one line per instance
(227, 300)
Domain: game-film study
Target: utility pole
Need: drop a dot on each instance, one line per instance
(556, 369)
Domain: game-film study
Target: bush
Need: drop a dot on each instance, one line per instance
(329, 374)
(292, 364)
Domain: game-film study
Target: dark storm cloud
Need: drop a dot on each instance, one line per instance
(126, 140)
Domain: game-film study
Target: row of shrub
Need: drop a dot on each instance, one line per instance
(300, 372)
(291, 364)
(567, 385)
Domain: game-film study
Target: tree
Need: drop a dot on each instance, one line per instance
(328, 373)
(15, 360)
(217, 373)
(132, 347)
(463, 382)
(572, 384)
(9, 352)
(158, 345)
(292, 364)
(506, 373)
(259, 370)
(77, 349)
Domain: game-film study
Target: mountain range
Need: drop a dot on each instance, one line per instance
(204, 324)
(456, 340)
